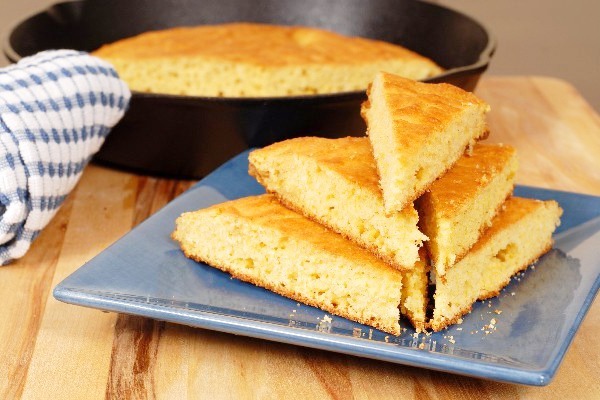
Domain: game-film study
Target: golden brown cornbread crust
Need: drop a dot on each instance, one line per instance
(423, 116)
(453, 202)
(421, 108)
(512, 211)
(446, 322)
(265, 211)
(460, 256)
(464, 180)
(482, 229)
(417, 132)
(487, 279)
(501, 285)
(358, 165)
(334, 182)
(292, 294)
(256, 60)
(260, 44)
(306, 214)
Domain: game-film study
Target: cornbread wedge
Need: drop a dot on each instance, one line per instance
(335, 182)
(456, 208)
(418, 131)
(248, 59)
(415, 297)
(258, 240)
(520, 233)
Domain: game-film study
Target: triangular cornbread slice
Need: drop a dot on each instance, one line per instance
(520, 233)
(258, 240)
(418, 131)
(335, 182)
(456, 208)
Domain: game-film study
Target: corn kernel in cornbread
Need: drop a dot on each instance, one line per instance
(418, 131)
(335, 182)
(520, 233)
(256, 60)
(258, 240)
(456, 208)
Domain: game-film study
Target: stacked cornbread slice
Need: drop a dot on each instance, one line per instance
(335, 182)
(519, 234)
(365, 227)
(418, 131)
(461, 204)
(477, 238)
(258, 240)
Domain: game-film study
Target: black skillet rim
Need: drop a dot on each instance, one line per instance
(479, 66)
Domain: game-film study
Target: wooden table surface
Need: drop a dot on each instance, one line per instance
(50, 349)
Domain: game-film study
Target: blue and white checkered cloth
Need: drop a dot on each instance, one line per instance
(56, 108)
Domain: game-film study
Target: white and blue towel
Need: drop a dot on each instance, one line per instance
(56, 108)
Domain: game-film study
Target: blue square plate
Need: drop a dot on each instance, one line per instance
(146, 274)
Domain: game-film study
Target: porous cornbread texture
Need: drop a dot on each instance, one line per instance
(335, 182)
(415, 296)
(455, 209)
(246, 59)
(258, 240)
(520, 233)
(418, 131)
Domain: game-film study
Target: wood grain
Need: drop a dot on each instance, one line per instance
(136, 340)
(53, 350)
(557, 136)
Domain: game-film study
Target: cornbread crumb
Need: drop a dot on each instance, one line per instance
(255, 60)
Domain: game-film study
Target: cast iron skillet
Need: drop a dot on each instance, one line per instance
(187, 137)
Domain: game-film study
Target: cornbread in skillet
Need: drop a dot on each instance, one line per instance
(258, 240)
(256, 60)
(456, 208)
(418, 131)
(335, 182)
(520, 233)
